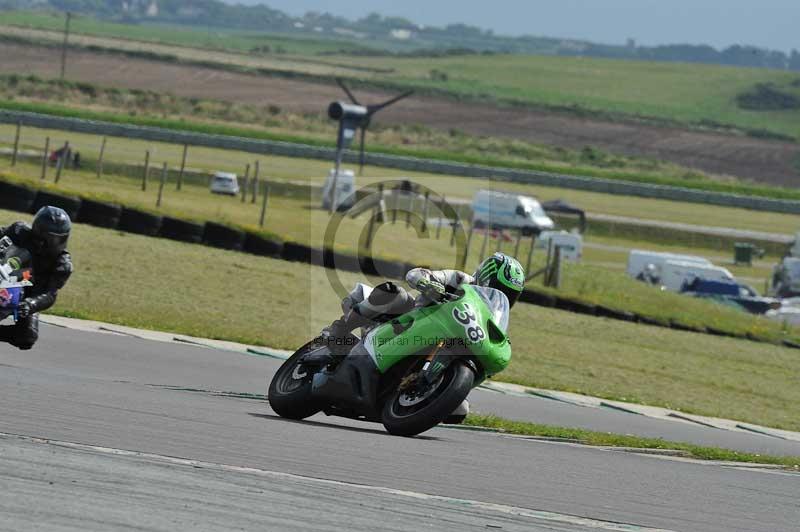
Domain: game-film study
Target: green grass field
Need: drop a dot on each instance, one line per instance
(673, 92)
(286, 303)
(301, 220)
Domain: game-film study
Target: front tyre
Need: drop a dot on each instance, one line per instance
(409, 414)
(290, 389)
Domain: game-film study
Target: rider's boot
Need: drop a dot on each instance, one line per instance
(337, 338)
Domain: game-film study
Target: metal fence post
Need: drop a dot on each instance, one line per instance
(179, 184)
(485, 241)
(61, 161)
(16, 145)
(146, 169)
(45, 157)
(100, 158)
(394, 206)
(519, 240)
(265, 186)
(246, 182)
(425, 213)
(441, 218)
(469, 242)
(254, 192)
(161, 185)
(530, 253)
(380, 203)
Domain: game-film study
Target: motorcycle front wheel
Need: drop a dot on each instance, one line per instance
(408, 413)
(290, 389)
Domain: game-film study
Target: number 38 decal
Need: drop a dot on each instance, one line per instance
(467, 318)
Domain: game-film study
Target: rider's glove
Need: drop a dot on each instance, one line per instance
(24, 309)
(431, 289)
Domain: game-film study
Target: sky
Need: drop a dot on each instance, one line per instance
(767, 23)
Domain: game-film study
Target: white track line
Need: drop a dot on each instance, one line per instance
(280, 476)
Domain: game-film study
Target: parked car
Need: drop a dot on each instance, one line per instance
(729, 292)
(502, 210)
(225, 183)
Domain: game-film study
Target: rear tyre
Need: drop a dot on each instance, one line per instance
(407, 414)
(290, 389)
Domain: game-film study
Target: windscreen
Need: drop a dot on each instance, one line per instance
(498, 305)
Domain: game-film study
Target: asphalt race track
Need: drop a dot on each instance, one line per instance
(107, 432)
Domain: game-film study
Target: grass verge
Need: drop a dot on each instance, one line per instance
(608, 439)
(163, 285)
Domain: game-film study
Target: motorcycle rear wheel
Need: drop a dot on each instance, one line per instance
(290, 389)
(419, 414)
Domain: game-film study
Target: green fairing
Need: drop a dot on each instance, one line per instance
(432, 324)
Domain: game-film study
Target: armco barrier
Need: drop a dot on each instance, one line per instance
(182, 230)
(140, 222)
(99, 214)
(70, 204)
(287, 149)
(224, 237)
(16, 197)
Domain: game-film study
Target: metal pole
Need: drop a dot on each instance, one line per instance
(254, 192)
(61, 161)
(146, 169)
(441, 219)
(530, 253)
(519, 240)
(466, 248)
(16, 145)
(246, 182)
(265, 186)
(500, 236)
(45, 157)
(183, 167)
(161, 185)
(410, 209)
(64, 46)
(425, 213)
(334, 194)
(370, 228)
(380, 203)
(100, 159)
(394, 206)
(485, 241)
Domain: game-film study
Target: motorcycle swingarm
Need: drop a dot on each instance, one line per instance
(351, 387)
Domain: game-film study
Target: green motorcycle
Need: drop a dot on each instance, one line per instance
(409, 373)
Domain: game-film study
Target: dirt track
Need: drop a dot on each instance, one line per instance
(764, 161)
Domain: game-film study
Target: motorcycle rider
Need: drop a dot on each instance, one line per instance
(388, 300)
(46, 240)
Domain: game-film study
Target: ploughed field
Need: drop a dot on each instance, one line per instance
(770, 162)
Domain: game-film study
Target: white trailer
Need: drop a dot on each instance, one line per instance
(638, 261)
(676, 275)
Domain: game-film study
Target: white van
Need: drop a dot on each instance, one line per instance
(639, 259)
(224, 183)
(504, 210)
(346, 187)
(675, 275)
(571, 244)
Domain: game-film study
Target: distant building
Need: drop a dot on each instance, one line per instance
(152, 9)
(401, 34)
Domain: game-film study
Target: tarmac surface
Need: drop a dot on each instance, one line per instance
(108, 432)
